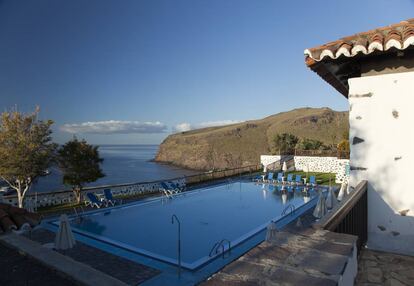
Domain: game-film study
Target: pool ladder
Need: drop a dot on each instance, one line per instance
(229, 183)
(288, 207)
(80, 213)
(221, 246)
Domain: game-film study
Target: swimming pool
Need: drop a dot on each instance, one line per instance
(233, 212)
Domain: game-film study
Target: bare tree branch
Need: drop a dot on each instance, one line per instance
(9, 183)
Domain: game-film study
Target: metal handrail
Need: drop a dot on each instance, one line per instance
(229, 182)
(217, 245)
(212, 249)
(289, 206)
(77, 214)
(222, 247)
(174, 217)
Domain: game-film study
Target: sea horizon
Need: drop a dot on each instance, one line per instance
(123, 164)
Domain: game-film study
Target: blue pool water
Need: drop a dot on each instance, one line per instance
(234, 211)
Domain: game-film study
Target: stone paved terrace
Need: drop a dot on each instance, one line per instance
(299, 256)
(123, 269)
(382, 268)
(17, 269)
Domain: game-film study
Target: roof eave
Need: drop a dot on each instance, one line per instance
(321, 69)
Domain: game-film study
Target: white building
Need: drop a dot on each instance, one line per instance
(375, 71)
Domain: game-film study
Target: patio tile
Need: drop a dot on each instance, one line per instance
(123, 269)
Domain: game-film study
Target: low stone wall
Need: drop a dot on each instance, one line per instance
(64, 197)
(316, 164)
(324, 165)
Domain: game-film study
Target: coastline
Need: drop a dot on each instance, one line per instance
(123, 164)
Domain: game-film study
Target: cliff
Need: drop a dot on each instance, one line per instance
(242, 144)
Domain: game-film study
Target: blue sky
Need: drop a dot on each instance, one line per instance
(129, 72)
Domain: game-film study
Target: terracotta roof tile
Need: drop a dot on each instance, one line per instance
(407, 31)
(12, 218)
(399, 36)
(32, 218)
(19, 220)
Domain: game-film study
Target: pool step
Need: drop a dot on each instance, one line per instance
(303, 257)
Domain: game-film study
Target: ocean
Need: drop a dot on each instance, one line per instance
(122, 164)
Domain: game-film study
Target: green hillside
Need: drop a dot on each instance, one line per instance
(242, 144)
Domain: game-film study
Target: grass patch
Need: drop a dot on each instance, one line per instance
(321, 178)
(56, 208)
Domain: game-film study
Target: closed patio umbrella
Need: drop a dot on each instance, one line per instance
(271, 233)
(64, 237)
(306, 198)
(284, 167)
(331, 200)
(343, 192)
(320, 209)
(284, 198)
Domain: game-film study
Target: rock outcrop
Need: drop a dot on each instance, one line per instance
(242, 144)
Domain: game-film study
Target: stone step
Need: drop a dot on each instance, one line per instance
(323, 243)
(304, 257)
(296, 257)
(247, 273)
(320, 234)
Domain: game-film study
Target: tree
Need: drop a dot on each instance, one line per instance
(80, 164)
(26, 150)
(343, 148)
(285, 143)
(310, 144)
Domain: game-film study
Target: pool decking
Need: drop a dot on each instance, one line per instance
(17, 269)
(120, 268)
(299, 256)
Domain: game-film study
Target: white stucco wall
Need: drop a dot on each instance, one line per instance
(315, 164)
(381, 114)
(323, 165)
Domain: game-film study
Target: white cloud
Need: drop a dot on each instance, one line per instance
(114, 127)
(182, 127)
(185, 126)
(217, 123)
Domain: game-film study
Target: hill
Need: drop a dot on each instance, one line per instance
(242, 144)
